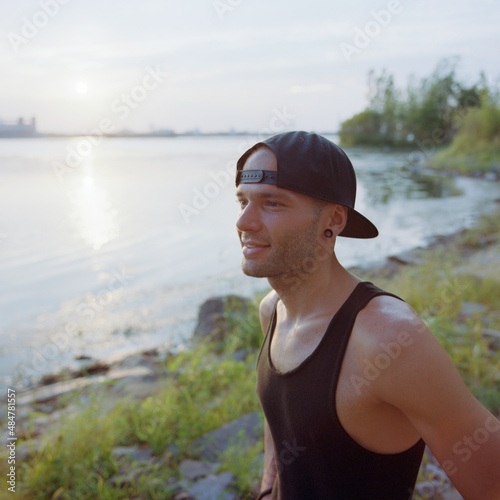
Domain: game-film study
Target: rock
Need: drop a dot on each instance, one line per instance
(51, 378)
(245, 431)
(435, 483)
(146, 359)
(133, 453)
(213, 487)
(491, 333)
(183, 495)
(171, 452)
(29, 428)
(435, 472)
(121, 480)
(483, 263)
(470, 308)
(127, 477)
(405, 258)
(28, 449)
(93, 368)
(135, 389)
(49, 392)
(212, 320)
(135, 462)
(151, 353)
(241, 355)
(144, 374)
(428, 489)
(141, 372)
(493, 338)
(138, 382)
(451, 494)
(195, 469)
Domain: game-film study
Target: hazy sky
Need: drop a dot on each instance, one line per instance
(216, 64)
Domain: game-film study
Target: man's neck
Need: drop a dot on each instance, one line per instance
(314, 293)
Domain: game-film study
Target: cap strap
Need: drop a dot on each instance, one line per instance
(255, 176)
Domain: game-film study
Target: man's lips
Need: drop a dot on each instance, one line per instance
(252, 248)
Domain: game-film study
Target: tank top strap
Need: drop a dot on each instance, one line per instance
(339, 330)
(269, 331)
(364, 292)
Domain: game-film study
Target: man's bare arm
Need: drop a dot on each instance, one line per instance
(425, 385)
(269, 474)
(270, 470)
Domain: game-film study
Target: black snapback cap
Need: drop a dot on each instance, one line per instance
(310, 164)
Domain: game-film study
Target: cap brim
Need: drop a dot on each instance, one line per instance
(358, 226)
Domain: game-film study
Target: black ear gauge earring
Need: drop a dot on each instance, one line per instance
(328, 233)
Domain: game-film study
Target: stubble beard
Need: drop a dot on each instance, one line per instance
(288, 255)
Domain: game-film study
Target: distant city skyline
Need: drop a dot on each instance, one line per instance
(218, 65)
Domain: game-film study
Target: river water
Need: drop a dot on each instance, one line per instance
(109, 249)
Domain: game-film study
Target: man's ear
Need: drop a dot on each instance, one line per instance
(337, 218)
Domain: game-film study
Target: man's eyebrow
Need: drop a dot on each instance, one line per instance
(266, 194)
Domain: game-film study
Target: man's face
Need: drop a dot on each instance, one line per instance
(278, 229)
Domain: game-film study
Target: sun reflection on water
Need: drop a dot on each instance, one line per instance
(93, 214)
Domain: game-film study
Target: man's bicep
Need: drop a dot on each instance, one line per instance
(426, 385)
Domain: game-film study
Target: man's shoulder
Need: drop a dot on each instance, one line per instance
(266, 308)
(387, 319)
(389, 336)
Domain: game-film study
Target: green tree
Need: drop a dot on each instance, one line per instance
(432, 102)
(385, 100)
(363, 128)
(430, 109)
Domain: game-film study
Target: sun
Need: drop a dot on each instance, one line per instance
(81, 88)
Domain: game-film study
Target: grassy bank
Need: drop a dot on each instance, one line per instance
(208, 387)
(476, 147)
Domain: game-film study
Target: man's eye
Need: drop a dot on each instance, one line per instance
(242, 203)
(273, 204)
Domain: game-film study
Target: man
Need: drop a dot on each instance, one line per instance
(336, 429)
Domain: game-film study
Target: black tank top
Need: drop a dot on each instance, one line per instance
(315, 456)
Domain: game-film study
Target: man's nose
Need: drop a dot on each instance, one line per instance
(248, 220)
